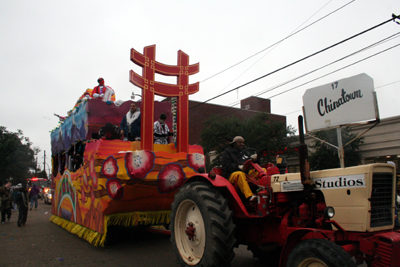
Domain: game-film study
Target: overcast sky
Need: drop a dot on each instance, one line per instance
(52, 51)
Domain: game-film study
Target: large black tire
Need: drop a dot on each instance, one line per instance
(203, 205)
(321, 253)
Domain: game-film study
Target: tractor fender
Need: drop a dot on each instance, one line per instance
(295, 238)
(229, 191)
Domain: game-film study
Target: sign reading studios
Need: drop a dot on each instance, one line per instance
(343, 102)
(335, 182)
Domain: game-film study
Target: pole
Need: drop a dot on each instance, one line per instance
(36, 166)
(340, 146)
(44, 162)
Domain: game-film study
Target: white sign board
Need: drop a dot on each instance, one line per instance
(334, 182)
(342, 102)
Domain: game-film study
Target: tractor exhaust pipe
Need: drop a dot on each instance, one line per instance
(303, 158)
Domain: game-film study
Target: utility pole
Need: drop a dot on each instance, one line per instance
(44, 162)
(36, 166)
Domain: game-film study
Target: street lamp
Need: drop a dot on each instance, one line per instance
(133, 95)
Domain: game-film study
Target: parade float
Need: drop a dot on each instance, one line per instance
(120, 182)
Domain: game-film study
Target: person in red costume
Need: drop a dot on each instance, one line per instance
(102, 91)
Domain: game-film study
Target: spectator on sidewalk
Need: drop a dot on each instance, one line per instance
(4, 188)
(33, 195)
(22, 201)
(6, 204)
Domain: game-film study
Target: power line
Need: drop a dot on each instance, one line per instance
(276, 45)
(295, 62)
(333, 62)
(287, 37)
(337, 70)
(374, 88)
(387, 84)
(356, 62)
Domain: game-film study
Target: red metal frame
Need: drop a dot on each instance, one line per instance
(150, 87)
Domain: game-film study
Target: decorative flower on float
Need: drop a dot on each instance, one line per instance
(110, 168)
(92, 195)
(139, 163)
(85, 179)
(83, 196)
(92, 172)
(170, 178)
(114, 189)
(196, 161)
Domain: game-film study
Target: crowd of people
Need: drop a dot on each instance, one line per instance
(128, 130)
(16, 198)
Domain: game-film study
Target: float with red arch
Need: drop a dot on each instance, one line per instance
(122, 182)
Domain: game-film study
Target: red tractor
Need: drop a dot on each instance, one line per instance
(339, 217)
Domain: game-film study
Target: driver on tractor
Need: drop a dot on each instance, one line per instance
(232, 167)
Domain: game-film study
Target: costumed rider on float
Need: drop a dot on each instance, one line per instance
(130, 124)
(103, 92)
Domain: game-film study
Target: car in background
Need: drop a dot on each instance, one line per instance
(47, 196)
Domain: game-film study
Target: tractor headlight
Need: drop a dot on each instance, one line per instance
(329, 212)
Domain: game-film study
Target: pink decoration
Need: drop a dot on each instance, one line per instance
(170, 178)
(109, 168)
(114, 189)
(195, 161)
(93, 172)
(92, 196)
(85, 179)
(139, 163)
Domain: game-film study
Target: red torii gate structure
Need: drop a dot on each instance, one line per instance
(181, 90)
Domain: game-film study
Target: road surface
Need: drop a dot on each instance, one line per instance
(42, 243)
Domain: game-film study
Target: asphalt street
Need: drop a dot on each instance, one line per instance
(42, 243)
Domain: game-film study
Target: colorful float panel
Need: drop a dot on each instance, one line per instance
(121, 184)
(87, 118)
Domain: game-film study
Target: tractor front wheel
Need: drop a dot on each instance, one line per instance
(319, 253)
(202, 231)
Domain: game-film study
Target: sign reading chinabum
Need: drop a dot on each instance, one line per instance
(347, 101)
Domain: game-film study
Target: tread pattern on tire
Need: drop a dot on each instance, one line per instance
(217, 218)
(332, 254)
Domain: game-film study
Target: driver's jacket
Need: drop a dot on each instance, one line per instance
(229, 161)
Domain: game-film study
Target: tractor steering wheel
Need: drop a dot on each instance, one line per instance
(245, 156)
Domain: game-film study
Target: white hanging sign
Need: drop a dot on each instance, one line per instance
(347, 101)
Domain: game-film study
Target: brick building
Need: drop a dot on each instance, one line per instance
(249, 107)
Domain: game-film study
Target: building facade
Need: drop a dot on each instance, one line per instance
(381, 143)
(199, 113)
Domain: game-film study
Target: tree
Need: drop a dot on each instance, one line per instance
(326, 157)
(42, 174)
(259, 132)
(16, 156)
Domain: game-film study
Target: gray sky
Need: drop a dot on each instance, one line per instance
(52, 51)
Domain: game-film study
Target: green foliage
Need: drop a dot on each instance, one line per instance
(326, 157)
(42, 174)
(16, 156)
(259, 132)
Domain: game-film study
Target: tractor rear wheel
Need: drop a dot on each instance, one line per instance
(202, 231)
(319, 253)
